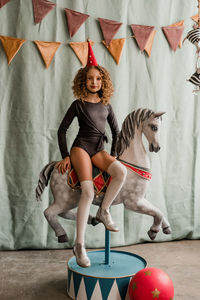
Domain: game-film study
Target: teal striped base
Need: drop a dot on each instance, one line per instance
(103, 281)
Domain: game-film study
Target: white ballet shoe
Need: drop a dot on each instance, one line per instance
(104, 216)
(82, 258)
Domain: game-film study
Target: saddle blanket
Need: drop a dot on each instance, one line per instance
(101, 179)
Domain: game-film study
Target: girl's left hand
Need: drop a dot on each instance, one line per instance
(63, 165)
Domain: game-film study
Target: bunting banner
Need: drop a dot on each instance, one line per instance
(173, 35)
(109, 29)
(115, 48)
(81, 51)
(142, 34)
(41, 8)
(74, 20)
(3, 2)
(11, 46)
(47, 50)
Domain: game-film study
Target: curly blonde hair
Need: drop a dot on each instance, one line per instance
(79, 84)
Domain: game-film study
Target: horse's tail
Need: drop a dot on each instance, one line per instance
(44, 179)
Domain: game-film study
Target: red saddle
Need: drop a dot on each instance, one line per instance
(102, 179)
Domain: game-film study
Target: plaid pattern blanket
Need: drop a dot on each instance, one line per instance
(101, 180)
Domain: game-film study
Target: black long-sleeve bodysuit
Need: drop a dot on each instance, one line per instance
(92, 119)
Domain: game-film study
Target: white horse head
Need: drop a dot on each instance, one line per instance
(151, 130)
(130, 145)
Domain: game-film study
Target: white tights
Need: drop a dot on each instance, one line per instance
(118, 173)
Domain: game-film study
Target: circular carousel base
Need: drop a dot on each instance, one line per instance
(103, 281)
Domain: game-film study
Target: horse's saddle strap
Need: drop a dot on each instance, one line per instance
(139, 171)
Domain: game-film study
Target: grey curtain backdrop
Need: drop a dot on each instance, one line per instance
(33, 101)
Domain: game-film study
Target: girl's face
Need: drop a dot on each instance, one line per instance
(93, 80)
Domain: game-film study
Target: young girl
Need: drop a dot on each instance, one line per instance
(93, 88)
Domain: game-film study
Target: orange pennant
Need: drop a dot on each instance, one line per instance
(149, 43)
(195, 18)
(47, 50)
(11, 46)
(181, 23)
(115, 48)
(81, 51)
(3, 2)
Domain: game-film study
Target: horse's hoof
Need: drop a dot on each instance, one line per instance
(94, 221)
(167, 230)
(62, 238)
(152, 234)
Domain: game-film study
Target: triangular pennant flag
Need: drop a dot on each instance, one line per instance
(149, 43)
(114, 292)
(77, 280)
(122, 284)
(41, 8)
(96, 293)
(90, 284)
(11, 46)
(74, 20)
(69, 279)
(195, 18)
(3, 2)
(71, 288)
(105, 285)
(81, 51)
(109, 29)
(181, 23)
(115, 48)
(47, 50)
(142, 34)
(173, 35)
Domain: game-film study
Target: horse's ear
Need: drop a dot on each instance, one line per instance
(159, 114)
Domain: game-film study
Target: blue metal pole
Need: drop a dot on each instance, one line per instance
(107, 247)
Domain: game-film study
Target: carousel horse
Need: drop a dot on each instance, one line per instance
(132, 153)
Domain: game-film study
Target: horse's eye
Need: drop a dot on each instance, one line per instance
(154, 128)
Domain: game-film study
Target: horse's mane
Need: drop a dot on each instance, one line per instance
(128, 127)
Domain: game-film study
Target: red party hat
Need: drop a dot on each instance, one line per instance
(91, 58)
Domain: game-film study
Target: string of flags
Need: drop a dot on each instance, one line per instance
(143, 34)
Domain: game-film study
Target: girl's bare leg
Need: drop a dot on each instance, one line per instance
(118, 172)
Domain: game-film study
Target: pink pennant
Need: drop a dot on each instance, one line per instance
(74, 20)
(109, 29)
(173, 35)
(3, 2)
(142, 34)
(41, 8)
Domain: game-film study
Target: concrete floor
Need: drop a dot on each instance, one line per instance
(42, 275)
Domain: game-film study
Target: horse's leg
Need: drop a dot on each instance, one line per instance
(143, 206)
(69, 215)
(50, 214)
(166, 228)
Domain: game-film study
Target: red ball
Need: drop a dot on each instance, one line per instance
(151, 283)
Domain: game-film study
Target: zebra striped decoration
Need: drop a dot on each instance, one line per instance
(193, 35)
(195, 79)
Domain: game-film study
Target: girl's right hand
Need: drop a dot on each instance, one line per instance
(63, 165)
